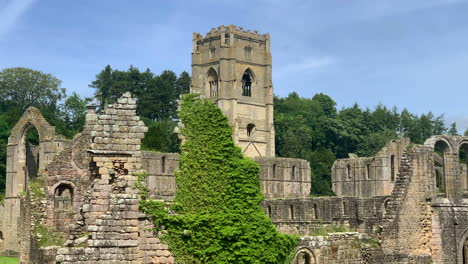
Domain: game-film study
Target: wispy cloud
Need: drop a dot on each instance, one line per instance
(309, 64)
(10, 12)
(461, 120)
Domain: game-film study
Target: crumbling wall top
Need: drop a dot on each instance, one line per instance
(33, 117)
(233, 30)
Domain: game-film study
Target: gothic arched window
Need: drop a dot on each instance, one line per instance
(212, 82)
(247, 80)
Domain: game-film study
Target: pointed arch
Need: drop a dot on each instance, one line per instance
(212, 82)
(248, 79)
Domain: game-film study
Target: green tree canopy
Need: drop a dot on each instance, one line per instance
(24, 87)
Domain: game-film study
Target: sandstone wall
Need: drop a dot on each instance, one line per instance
(160, 168)
(304, 216)
(368, 176)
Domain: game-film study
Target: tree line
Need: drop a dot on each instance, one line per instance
(308, 128)
(315, 130)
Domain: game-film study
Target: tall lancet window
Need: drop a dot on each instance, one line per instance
(212, 83)
(247, 80)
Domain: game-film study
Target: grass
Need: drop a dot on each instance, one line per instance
(9, 260)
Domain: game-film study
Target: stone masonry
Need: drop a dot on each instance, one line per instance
(407, 204)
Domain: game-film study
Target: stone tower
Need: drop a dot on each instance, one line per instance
(232, 67)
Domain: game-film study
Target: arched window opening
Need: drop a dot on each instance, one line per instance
(440, 149)
(315, 211)
(250, 129)
(392, 168)
(212, 83)
(348, 172)
(274, 170)
(293, 172)
(247, 79)
(163, 164)
(465, 252)
(63, 197)
(463, 155)
(368, 171)
(291, 212)
(31, 144)
(385, 206)
(304, 257)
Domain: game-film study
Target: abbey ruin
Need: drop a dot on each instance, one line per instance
(407, 204)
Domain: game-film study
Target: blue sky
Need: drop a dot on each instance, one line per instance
(404, 53)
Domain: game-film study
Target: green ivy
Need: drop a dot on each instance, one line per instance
(216, 216)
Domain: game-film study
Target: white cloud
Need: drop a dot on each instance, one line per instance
(306, 65)
(10, 12)
(461, 120)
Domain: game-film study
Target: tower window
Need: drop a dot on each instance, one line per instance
(247, 84)
(250, 129)
(212, 82)
(248, 52)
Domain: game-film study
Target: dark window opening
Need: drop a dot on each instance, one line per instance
(348, 172)
(291, 212)
(269, 211)
(163, 164)
(440, 149)
(32, 149)
(246, 84)
(63, 197)
(293, 172)
(250, 129)
(212, 82)
(315, 212)
(274, 170)
(392, 168)
(368, 171)
(1, 235)
(303, 258)
(463, 155)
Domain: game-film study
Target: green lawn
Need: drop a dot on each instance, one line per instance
(8, 260)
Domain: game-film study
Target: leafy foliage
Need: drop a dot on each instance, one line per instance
(21, 88)
(313, 129)
(157, 100)
(216, 217)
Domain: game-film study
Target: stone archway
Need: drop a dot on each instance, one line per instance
(304, 256)
(462, 250)
(18, 168)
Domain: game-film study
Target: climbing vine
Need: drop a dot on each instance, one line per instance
(216, 216)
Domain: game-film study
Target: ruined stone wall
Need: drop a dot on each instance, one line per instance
(279, 177)
(284, 177)
(336, 248)
(18, 171)
(160, 168)
(408, 224)
(304, 216)
(110, 227)
(368, 176)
